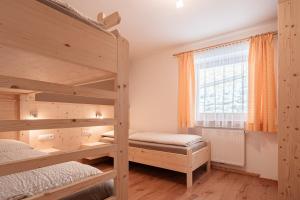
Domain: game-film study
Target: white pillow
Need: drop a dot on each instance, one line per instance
(7, 145)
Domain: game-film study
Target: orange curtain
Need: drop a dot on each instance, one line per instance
(262, 111)
(186, 90)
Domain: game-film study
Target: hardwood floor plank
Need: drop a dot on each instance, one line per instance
(150, 183)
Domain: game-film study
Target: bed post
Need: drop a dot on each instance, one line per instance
(122, 121)
(189, 174)
(208, 164)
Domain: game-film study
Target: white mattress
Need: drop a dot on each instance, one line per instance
(19, 155)
(160, 147)
(28, 183)
(167, 138)
(184, 140)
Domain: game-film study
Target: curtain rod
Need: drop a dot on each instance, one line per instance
(223, 44)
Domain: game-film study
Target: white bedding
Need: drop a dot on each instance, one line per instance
(19, 155)
(7, 145)
(29, 183)
(167, 138)
(184, 140)
(24, 184)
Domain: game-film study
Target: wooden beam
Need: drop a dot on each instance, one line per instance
(289, 100)
(40, 124)
(44, 161)
(122, 117)
(42, 86)
(99, 80)
(72, 188)
(72, 99)
(61, 36)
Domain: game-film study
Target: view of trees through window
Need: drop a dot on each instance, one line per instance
(222, 85)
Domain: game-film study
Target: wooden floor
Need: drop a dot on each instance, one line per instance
(148, 183)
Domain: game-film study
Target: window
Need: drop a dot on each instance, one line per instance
(222, 86)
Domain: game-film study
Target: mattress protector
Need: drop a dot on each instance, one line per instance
(167, 138)
(184, 140)
(25, 184)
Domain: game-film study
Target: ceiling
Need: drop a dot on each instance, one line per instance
(150, 25)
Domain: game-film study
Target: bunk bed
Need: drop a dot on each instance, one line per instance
(178, 152)
(29, 183)
(49, 49)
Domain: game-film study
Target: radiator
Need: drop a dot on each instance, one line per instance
(227, 145)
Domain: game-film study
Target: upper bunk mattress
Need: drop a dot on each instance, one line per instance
(25, 184)
(72, 12)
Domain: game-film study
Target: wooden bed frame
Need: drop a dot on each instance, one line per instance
(173, 161)
(36, 27)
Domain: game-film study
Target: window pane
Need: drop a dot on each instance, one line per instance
(222, 84)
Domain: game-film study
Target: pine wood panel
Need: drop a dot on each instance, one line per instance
(42, 86)
(289, 100)
(177, 162)
(65, 139)
(62, 36)
(9, 109)
(47, 97)
(40, 124)
(38, 67)
(122, 115)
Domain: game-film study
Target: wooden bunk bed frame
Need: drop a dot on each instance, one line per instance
(34, 26)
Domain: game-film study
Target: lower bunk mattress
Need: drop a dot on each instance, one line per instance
(29, 183)
(166, 142)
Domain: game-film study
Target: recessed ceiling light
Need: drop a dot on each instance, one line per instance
(179, 3)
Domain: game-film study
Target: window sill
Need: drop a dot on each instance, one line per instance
(211, 127)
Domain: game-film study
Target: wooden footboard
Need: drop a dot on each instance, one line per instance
(166, 160)
(173, 161)
(201, 157)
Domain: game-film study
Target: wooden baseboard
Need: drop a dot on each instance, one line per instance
(233, 169)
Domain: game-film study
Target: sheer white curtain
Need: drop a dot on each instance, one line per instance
(222, 86)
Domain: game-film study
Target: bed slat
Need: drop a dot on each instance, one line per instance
(74, 187)
(43, 161)
(42, 86)
(40, 124)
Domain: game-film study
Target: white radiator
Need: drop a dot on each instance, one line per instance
(227, 145)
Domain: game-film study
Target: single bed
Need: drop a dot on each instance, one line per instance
(29, 183)
(178, 152)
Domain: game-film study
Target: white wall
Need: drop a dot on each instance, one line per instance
(262, 155)
(153, 99)
(153, 93)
